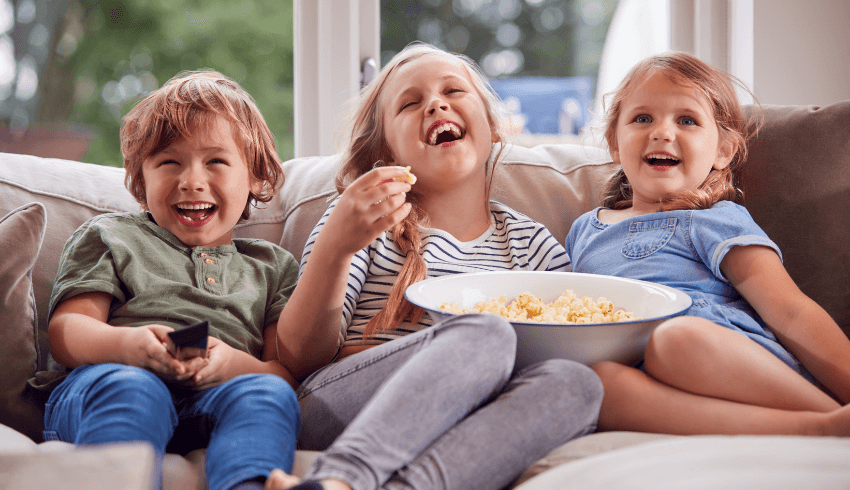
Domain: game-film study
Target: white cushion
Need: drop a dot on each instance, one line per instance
(710, 463)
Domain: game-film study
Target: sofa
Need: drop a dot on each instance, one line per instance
(797, 187)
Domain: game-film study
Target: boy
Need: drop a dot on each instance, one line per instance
(198, 155)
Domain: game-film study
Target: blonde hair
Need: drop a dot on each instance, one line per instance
(733, 128)
(189, 103)
(367, 145)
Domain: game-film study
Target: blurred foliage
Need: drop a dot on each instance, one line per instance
(541, 38)
(110, 53)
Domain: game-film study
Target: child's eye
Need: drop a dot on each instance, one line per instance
(167, 162)
(687, 121)
(407, 104)
(643, 118)
(453, 90)
(218, 160)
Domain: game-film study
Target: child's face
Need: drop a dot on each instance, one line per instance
(667, 139)
(436, 122)
(198, 189)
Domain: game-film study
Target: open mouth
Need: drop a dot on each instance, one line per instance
(195, 212)
(444, 132)
(662, 160)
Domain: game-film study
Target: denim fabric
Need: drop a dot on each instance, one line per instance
(442, 409)
(248, 423)
(682, 249)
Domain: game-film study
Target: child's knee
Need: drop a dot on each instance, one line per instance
(680, 337)
(488, 333)
(570, 380)
(117, 380)
(265, 387)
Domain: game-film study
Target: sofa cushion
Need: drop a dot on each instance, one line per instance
(21, 232)
(553, 184)
(797, 187)
(708, 462)
(71, 193)
(129, 466)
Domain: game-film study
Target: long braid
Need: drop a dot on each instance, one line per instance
(367, 145)
(414, 269)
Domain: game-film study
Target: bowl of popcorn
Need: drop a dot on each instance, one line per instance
(583, 317)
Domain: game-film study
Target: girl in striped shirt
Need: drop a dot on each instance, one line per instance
(397, 401)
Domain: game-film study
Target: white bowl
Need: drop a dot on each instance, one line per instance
(586, 343)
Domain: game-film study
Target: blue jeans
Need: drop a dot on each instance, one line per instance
(443, 409)
(248, 424)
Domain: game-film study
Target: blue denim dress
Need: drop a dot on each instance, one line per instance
(681, 249)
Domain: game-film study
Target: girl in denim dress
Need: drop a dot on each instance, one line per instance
(754, 355)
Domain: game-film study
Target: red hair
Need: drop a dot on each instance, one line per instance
(733, 128)
(186, 104)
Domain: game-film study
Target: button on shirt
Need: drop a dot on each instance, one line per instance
(154, 278)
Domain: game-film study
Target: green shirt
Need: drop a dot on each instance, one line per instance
(154, 278)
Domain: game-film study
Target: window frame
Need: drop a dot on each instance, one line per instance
(334, 37)
(332, 40)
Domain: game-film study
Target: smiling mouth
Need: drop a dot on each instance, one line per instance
(445, 133)
(195, 212)
(661, 160)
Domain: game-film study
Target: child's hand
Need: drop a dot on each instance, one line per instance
(368, 207)
(145, 347)
(217, 369)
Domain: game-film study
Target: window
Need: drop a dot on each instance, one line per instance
(72, 68)
(348, 32)
(542, 56)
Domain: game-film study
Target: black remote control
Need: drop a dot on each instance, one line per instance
(190, 341)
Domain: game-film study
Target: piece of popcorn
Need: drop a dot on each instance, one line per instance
(407, 177)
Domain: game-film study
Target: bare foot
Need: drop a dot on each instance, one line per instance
(280, 480)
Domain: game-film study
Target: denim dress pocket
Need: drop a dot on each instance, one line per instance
(646, 237)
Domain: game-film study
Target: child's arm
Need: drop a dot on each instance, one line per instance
(799, 323)
(80, 335)
(226, 362)
(308, 329)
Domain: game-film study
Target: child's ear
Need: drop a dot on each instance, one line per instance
(725, 152)
(615, 155)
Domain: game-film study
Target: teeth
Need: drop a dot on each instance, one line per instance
(448, 126)
(660, 156)
(194, 207)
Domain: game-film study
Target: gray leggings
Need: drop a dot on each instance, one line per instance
(443, 409)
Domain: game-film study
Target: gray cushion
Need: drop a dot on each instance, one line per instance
(797, 187)
(71, 192)
(21, 233)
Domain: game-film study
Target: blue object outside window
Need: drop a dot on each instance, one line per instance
(548, 105)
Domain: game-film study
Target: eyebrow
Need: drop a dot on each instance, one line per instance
(449, 76)
(206, 149)
(646, 108)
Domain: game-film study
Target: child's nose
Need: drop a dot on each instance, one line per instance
(193, 179)
(437, 103)
(663, 131)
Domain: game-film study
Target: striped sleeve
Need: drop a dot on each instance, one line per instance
(356, 275)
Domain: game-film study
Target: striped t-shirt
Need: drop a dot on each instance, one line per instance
(513, 242)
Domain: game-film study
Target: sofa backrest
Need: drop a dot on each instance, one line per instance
(796, 184)
(796, 187)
